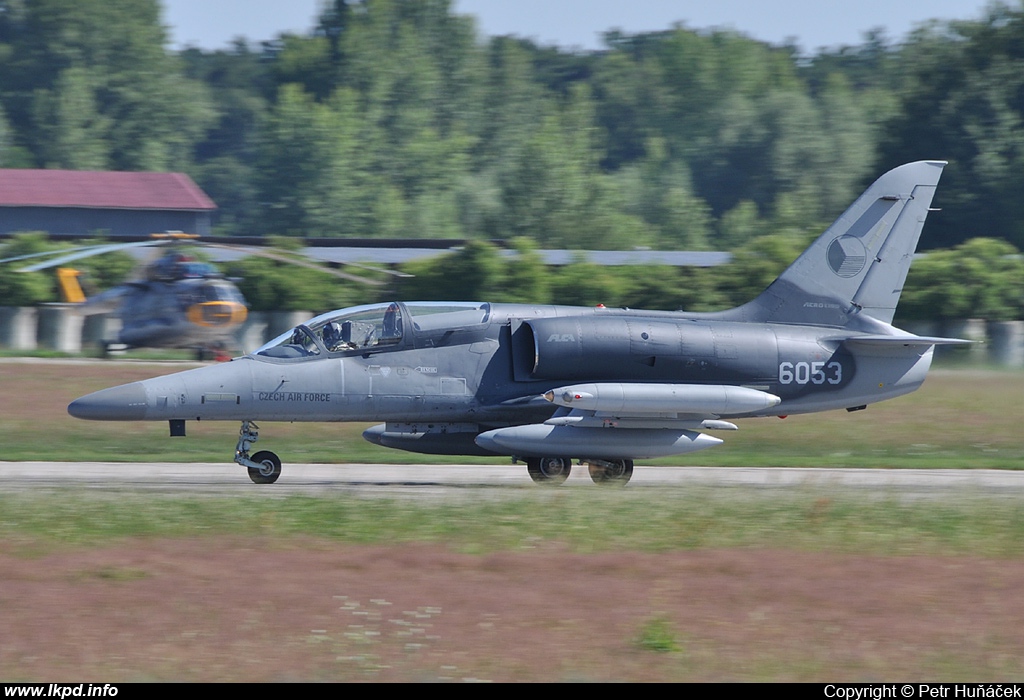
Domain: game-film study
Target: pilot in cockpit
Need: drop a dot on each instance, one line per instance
(392, 323)
(338, 337)
(332, 336)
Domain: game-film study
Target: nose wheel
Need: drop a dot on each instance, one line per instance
(264, 466)
(269, 468)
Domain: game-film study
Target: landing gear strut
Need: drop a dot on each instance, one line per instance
(264, 466)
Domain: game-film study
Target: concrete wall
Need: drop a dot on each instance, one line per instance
(18, 326)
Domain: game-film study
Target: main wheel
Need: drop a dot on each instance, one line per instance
(270, 468)
(548, 470)
(615, 472)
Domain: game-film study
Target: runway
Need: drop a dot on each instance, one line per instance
(439, 480)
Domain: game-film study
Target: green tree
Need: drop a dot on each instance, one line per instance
(527, 279)
(475, 273)
(659, 191)
(756, 265)
(961, 100)
(410, 66)
(5, 140)
(555, 193)
(981, 278)
(739, 226)
(25, 288)
(587, 284)
(672, 289)
(301, 167)
(270, 285)
(238, 82)
(72, 134)
(110, 60)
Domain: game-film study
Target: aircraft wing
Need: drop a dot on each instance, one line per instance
(630, 419)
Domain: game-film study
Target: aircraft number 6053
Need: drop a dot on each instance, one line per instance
(810, 372)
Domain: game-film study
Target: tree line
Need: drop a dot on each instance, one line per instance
(396, 118)
(982, 278)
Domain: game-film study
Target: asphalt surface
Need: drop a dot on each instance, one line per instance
(438, 480)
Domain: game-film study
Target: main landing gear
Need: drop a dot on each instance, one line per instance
(264, 466)
(552, 471)
(610, 472)
(549, 470)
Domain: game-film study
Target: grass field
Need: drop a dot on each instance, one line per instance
(958, 419)
(564, 584)
(809, 583)
(582, 521)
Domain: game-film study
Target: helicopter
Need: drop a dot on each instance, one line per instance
(552, 384)
(178, 301)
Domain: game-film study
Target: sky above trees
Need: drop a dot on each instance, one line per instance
(568, 23)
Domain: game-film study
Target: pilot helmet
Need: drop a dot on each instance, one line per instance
(332, 334)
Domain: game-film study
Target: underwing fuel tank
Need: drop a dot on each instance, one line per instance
(612, 397)
(540, 440)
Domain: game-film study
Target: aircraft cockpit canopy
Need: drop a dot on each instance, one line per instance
(376, 327)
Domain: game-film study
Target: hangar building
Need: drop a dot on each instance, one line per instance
(85, 202)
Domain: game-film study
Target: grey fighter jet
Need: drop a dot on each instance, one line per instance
(554, 384)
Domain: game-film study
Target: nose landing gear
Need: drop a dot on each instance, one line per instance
(264, 466)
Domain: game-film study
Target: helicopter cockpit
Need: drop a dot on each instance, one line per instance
(178, 266)
(376, 327)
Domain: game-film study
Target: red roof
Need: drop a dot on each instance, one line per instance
(101, 190)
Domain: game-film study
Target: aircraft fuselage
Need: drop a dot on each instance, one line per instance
(494, 373)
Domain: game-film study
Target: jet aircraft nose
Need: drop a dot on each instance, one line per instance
(125, 402)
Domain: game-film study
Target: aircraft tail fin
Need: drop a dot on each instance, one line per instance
(860, 263)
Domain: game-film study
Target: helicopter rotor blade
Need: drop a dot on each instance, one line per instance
(28, 256)
(384, 270)
(300, 263)
(69, 255)
(87, 252)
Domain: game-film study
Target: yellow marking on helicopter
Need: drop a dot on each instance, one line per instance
(212, 314)
(70, 290)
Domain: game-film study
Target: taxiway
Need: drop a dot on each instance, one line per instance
(434, 480)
